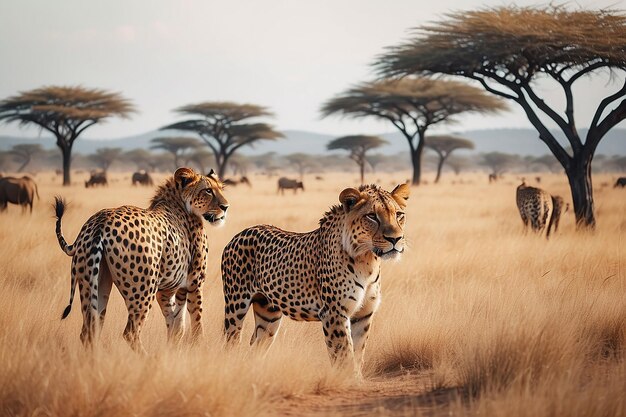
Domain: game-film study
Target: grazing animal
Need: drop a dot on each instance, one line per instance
(621, 182)
(142, 178)
(97, 178)
(493, 178)
(159, 252)
(289, 184)
(233, 182)
(331, 274)
(20, 191)
(538, 179)
(539, 209)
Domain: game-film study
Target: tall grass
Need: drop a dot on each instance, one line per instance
(514, 325)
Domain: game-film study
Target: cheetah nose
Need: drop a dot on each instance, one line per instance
(393, 240)
(224, 207)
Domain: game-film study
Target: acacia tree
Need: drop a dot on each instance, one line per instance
(457, 163)
(65, 112)
(444, 145)
(25, 152)
(175, 145)
(375, 159)
(358, 145)
(498, 162)
(223, 128)
(140, 157)
(412, 105)
(104, 157)
(302, 162)
(507, 49)
(549, 161)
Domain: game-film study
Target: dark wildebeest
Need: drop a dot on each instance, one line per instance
(142, 177)
(242, 180)
(493, 178)
(289, 184)
(97, 178)
(621, 182)
(19, 191)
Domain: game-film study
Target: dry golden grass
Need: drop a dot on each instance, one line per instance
(484, 319)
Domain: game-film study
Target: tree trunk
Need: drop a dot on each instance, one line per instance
(439, 168)
(416, 159)
(21, 168)
(67, 165)
(579, 176)
(222, 163)
(362, 169)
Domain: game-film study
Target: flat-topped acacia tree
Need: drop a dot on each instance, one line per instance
(176, 146)
(444, 145)
(104, 157)
(358, 146)
(225, 128)
(412, 105)
(507, 49)
(65, 112)
(24, 152)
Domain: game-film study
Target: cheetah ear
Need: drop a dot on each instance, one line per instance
(349, 198)
(184, 176)
(401, 194)
(211, 173)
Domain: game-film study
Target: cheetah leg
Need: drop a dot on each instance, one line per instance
(266, 321)
(137, 313)
(88, 287)
(361, 322)
(337, 331)
(194, 307)
(235, 310)
(104, 290)
(173, 312)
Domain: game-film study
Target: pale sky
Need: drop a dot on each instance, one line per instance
(289, 55)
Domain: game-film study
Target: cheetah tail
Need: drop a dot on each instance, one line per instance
(59, 209)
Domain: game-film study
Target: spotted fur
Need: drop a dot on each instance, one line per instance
(159, 252)
(331, 274)
(539, 209)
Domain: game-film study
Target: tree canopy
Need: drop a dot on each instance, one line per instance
(24, 152)
(506, 49)
(175, 145)
(104, 157)
(412, 105)
(358, 146)
(444, 145)
(65, 112)
(220, 125)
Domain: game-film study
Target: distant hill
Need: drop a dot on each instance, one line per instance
(516, 141)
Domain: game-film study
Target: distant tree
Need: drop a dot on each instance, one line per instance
(5, 158)
(375, 160)
(264, 160)
(444, 145)
(412, 105)
(176, 146)
(25, 152)
(457, 163)
(618, 163)
(549, 161)
(65, 112)
(104, 157)
(358, 146)
(202, 158)
(142, 158)
(222, 127)
(507, 49)
(240, 164)
(498, 162)
(302, 161)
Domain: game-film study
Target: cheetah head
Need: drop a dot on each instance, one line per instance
(374, 220)
(202, 195)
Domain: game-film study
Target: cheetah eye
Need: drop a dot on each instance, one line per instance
(209, 191)
(372, 216)
(399, 215)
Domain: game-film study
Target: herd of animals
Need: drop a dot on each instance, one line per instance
(331, 274)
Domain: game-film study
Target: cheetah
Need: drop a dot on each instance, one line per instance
(331, 274)
(539, 209)
(159, 252)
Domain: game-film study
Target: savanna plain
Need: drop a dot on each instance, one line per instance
(477, 318)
